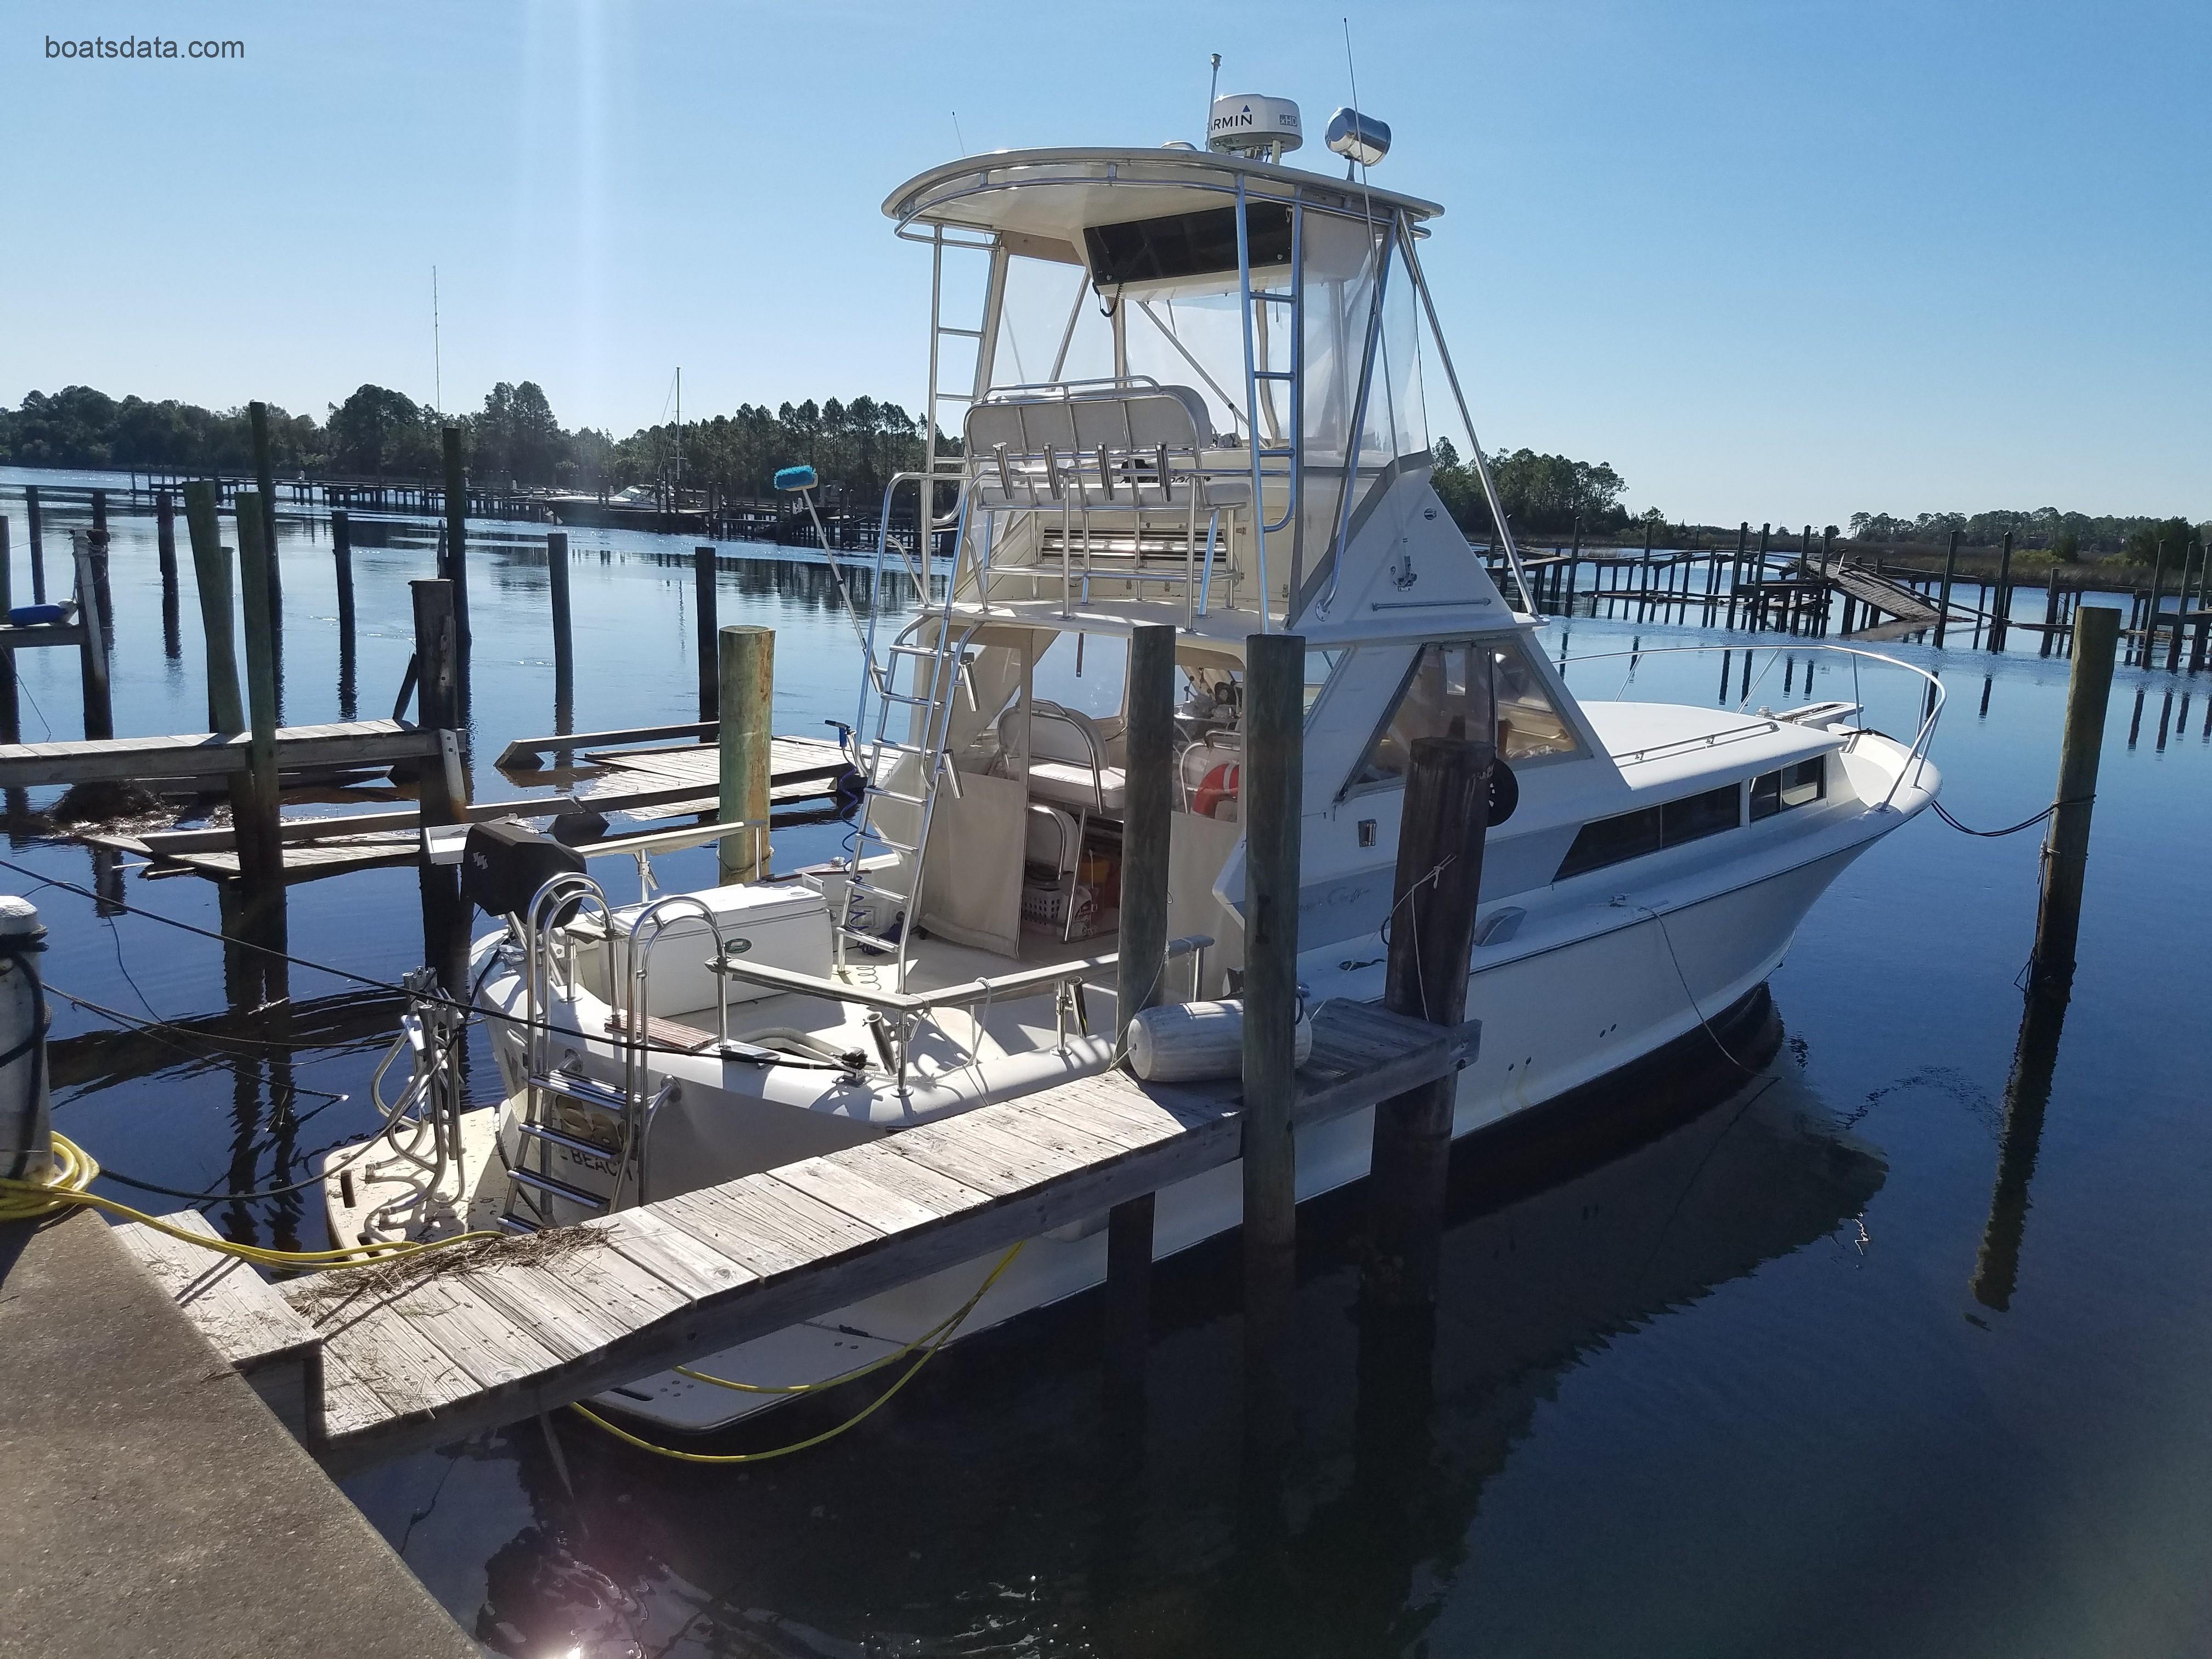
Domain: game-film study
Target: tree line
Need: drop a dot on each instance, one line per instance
(2066, 536)
(855, 446)
(514, 438)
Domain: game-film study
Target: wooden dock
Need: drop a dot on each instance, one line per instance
(413, 1356)
(676, 782)
(206, 756)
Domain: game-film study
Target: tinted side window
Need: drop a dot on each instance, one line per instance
(1610, 840)
(1696, 816)
(1800, 785)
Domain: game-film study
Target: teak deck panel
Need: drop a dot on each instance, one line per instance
(445, 1351)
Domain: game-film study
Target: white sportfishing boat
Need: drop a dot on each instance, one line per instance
(1191, 393)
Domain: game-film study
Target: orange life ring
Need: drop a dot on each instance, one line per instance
(1217, 786)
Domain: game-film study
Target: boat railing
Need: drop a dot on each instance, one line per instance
(1916, 756)
(896, 1015)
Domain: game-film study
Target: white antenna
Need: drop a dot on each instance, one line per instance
(1212, 93)
(437, 367)
(957, 133)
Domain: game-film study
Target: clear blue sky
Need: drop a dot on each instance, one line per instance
(1785, 260)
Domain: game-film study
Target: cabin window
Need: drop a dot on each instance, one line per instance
(1695, 816)
(1468, 689)
(1631, 834)
(1800, 785)
(1611, 841)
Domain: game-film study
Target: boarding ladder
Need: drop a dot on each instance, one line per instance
(568, 1116)
(906, 772)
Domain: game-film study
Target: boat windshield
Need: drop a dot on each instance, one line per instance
(1482, 688)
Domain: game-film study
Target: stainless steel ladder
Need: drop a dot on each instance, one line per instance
(553, 1091)
(870, 914)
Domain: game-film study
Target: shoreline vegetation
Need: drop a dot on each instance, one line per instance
(1553, 501)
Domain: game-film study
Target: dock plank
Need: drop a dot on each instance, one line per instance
(851, 1191)
(677, 1259)
(878, 1162)
(208, 754)
(476, 1335)
(588, 1299)
(405, 1371)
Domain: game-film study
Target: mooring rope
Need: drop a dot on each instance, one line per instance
(2025, 823)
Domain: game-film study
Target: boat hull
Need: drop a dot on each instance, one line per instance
(1545, 1035)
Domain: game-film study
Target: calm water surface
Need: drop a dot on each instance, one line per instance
(1898, 1347)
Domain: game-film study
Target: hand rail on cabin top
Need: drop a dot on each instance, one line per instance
(1916, 758)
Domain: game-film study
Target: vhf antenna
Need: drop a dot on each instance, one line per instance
(1213, 91)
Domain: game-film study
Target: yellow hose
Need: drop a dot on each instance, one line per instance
(75, 1170)
(934, 1339)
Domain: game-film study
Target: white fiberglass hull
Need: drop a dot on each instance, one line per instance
(1554, 1017)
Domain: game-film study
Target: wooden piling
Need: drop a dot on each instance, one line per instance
(747, 696)
(36, 529)
(1439, 883)
(165, 536)
(1736, 572)
(342, 570)
(11, 728)
(702, 599)
(1147, 823)
(342, 558)
(211, 575)
(254, 805)
(2180, 608)
(2000, 604)
(1273, 780)
(2066, 843)
(91, 654)
(442, 784)
(457, 545)
(265, 473)
(1943, 595)
(438, 693)
(556, 574)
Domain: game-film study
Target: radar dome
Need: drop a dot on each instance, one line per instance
(1249, 124)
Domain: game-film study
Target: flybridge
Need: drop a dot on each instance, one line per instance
(1194, 387)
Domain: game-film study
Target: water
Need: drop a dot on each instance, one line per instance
(1832, 1364)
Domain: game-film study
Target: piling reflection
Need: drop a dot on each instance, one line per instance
(2027, 1092)
(992, 1510)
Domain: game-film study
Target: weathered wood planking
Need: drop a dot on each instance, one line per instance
(208, 754)
(245, 1318)
(419, 1363)
(791, 762)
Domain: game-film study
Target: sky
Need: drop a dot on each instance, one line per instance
(1784, 261)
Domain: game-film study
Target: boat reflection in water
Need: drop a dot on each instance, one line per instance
(1002, 1504)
